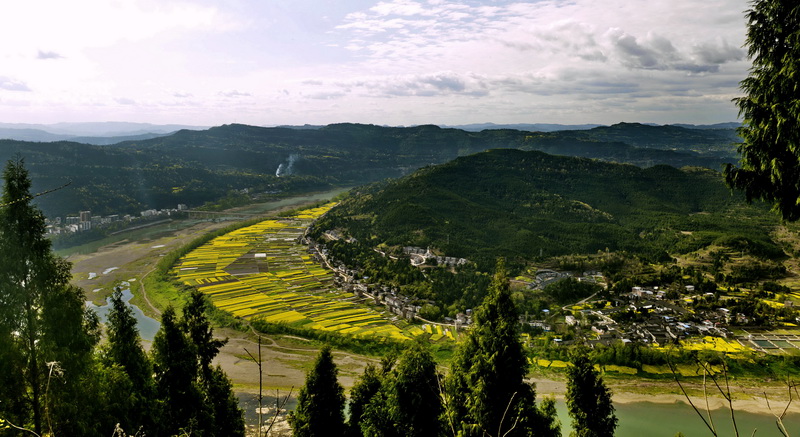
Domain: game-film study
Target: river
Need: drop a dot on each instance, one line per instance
(146, 325)
(636, 419)
(639, 419)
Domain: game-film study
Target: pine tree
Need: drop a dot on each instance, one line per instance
(486, 391)
(46, 333)
(196, 397)
(588, 399)
(408, 402)
(197, 326)
(415, 392)
(320, 403)
(70, 333)
(770, 153)
(226, 418)
(361, 395)
(175, 365)
(135, 408)
(124, 343)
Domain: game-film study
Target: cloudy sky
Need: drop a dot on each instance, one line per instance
(395, 62)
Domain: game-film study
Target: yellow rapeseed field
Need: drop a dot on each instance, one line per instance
(262, 271)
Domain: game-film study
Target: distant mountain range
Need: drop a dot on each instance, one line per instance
(240, 162)
(550, 127)
(100, 133)
(105, 133)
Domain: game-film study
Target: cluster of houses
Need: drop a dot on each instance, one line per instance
(420, 256)
(85, 221)
(381, 295)
(659, 321)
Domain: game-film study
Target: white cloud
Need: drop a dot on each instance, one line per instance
(235, 94)
(125, 101)
(447, 61)
(48, 55)
(11, 84)
(68, 26)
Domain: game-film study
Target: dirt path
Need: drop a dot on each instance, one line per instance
(144, 292)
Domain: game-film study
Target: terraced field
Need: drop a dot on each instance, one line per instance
(262, 271)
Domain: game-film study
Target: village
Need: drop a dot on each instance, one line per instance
(643, 315)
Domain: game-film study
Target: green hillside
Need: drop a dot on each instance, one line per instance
(240, 163)
(531, 205)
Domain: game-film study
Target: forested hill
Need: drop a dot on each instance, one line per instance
(719, 141)
(194, 167)
(527, 204)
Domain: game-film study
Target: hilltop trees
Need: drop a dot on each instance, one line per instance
(129, 370)
(175, 363)
(770, 153)
(226, 415)
(404, 402)
(362, 394)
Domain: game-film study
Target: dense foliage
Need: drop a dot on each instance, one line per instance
(45, 330)
(486, 390)
(320, 403)
(530, 205)
(770, 161)
(401, 400)
(484, 393)
(53, 378)
(588, 399)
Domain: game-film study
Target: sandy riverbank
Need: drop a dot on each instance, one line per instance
(746, 398)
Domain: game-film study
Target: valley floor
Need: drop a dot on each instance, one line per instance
(286, 359)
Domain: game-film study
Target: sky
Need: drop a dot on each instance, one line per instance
(395, 62)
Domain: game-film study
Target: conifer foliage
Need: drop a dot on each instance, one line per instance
(770, 154)
(486, 391)
(320, 403)
(588, 399)
(196, 397)
(406, 401)
(129, 375)
(361, 395)
(45, 330)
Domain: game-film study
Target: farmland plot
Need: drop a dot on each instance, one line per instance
(262, 271)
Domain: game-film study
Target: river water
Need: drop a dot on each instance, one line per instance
(649, 419)
(636, 419)
(146, 325)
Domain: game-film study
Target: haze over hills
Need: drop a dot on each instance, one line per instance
(98, 133)
(553, 127)
(199, 166)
